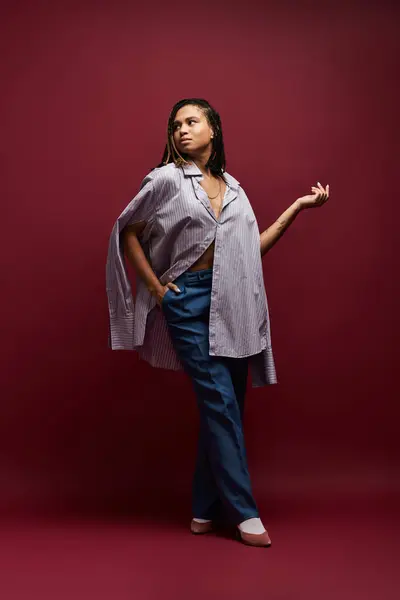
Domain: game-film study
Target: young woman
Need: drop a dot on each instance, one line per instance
(193, 239)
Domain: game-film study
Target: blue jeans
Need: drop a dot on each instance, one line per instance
(221, 479)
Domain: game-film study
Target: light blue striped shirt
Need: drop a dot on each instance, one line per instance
(181, 224)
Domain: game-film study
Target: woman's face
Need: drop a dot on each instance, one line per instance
(190, 124)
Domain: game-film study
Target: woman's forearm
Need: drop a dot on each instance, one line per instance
(270, 236)
(138, 260)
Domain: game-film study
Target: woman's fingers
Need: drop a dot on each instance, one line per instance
(318, 193)
(173, 287)
(321, 188)
(325, 192)
(321, 194)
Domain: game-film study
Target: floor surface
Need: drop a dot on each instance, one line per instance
(329, 557)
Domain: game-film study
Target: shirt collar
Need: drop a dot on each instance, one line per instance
(193, 169)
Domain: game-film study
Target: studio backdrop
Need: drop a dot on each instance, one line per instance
(305, 93)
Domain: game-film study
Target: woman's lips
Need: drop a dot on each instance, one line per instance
(185, 140)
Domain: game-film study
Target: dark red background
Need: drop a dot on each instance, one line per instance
(307, 92)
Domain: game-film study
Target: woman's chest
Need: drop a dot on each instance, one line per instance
(191, 206)
(215, 191)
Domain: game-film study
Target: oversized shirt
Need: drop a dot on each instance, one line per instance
(180, 226)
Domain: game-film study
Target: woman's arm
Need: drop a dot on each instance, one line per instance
(137, 257)
(138, 260)
(271, 235)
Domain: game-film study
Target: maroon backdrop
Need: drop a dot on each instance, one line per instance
(306, 93)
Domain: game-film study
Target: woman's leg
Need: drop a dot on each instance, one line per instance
(238, 368)
(221, 434)
(206, 502)
(204, 490)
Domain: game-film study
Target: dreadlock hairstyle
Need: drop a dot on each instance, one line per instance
(216, 162)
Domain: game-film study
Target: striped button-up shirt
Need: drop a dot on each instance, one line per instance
(180, 226)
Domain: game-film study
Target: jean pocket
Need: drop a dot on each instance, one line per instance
(172, 295)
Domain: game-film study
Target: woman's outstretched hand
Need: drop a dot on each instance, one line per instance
(318, 198)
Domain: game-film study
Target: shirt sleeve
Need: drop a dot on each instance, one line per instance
(143, 206)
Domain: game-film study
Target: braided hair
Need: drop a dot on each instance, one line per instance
(216, 162)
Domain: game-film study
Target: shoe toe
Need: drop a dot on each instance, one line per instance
(254, 539)
(199, 528)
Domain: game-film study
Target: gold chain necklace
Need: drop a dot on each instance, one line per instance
(213, 197)
(219, 186)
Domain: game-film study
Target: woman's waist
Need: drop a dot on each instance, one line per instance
(190, 276)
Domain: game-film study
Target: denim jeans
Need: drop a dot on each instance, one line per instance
(221, 480)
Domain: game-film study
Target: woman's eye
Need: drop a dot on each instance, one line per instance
(175, 127)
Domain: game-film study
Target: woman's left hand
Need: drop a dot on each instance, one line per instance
(318, 198)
